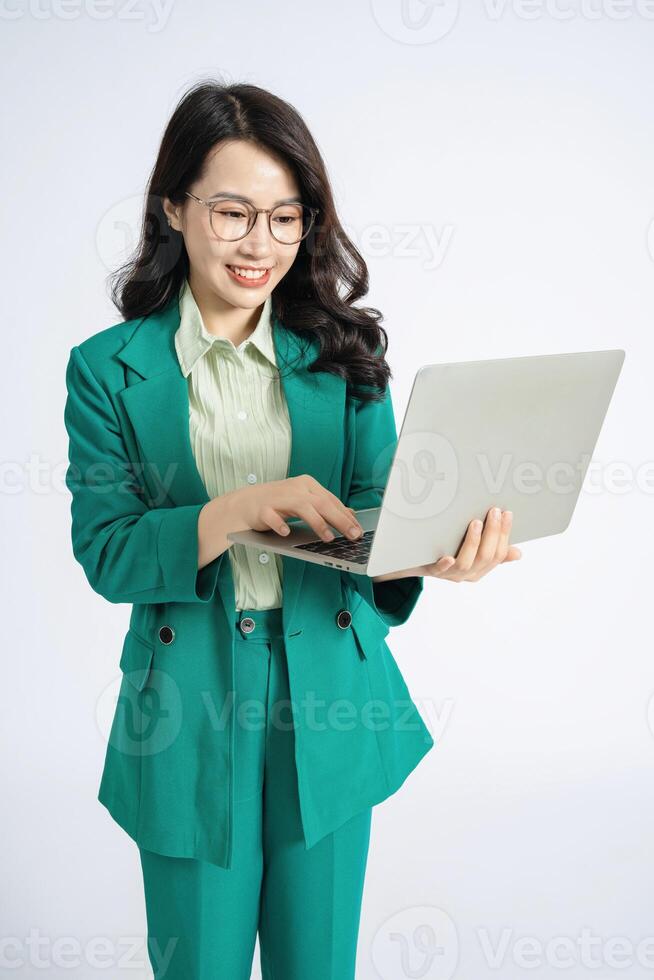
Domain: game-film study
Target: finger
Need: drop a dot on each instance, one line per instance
(349, 513)
(513, 554)
(274, 520)
(440, 567)
(349, 517)
(339, 517)
(311, 516)
(489, 541)
(290, 505)
(466, 554)
(503, 540)
(316, 509)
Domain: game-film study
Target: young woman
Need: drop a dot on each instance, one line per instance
(261, 715)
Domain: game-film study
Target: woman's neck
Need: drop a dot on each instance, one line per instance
(223, 320)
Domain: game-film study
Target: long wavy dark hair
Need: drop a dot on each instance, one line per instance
(315, 298)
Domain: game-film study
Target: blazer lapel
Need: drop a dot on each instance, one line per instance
(157, 404)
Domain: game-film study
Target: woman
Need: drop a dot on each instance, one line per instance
(241, 388)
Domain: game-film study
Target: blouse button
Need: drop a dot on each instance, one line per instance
(263, 557)
(251, 478)
(241, 414)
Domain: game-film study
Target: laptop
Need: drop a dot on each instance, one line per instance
(515, 432)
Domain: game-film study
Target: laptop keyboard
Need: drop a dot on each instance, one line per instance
(341, 547)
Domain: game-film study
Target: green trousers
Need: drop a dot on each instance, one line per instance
(305, 904)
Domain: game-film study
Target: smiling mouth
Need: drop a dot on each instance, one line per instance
(249, 273)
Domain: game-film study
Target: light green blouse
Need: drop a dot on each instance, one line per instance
(240, 429)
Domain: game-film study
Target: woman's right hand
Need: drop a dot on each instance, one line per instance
(263, 507)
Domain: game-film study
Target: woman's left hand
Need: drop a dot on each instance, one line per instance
(479, 553)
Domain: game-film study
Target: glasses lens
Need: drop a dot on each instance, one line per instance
(290, 223)
(230, 220)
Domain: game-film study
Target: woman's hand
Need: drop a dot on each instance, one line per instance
(263, 508)
(478, 554)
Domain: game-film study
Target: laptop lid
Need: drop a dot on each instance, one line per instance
(517, 432)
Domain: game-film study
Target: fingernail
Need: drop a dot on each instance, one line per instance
(353, 532)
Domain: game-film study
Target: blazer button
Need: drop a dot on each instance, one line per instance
(343, 618)
(247, 624)
(166, 634)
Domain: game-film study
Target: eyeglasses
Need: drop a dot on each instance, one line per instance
(232, 219)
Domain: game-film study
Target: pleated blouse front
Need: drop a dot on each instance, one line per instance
(239, 427)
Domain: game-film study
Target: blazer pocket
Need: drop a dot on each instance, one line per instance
(368, 628)
(136, 659)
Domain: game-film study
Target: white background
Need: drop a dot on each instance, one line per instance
(520, 138)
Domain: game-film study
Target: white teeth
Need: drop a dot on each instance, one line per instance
(249, 273)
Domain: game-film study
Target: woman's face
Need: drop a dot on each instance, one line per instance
(241, 168)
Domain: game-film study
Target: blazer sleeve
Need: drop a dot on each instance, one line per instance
(375, 438)
(129, 551)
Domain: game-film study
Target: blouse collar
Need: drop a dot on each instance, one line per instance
(193, 340)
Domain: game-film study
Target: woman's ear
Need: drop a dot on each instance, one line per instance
(171, 214)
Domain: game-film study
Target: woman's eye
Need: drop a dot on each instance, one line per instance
(232, 214)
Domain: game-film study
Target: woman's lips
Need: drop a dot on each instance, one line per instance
(251, 283)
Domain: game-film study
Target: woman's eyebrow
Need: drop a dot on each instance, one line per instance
(242, 197)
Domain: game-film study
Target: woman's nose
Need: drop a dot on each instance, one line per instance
(260, 233)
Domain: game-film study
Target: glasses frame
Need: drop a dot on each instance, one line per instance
(254, 214)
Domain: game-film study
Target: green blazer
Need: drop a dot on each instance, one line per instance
(136, 497)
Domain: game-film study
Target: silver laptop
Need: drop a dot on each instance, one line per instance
(515, 432)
